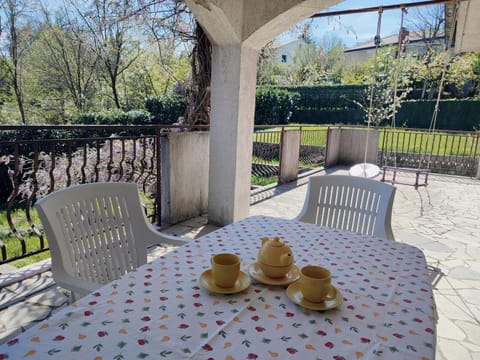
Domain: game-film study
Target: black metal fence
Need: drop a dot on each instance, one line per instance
(267, 145)
(445, 152)
(37, 160)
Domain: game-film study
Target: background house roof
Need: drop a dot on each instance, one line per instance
(414, 36)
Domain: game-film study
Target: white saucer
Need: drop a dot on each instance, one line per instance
(206, 281)
(294, 294)
(256, 272)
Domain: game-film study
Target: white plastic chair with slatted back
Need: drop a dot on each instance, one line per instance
(97, 233)
(349, 203)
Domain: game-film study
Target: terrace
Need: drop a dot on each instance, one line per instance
(442, 219)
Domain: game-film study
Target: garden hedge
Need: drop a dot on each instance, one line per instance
(452, 115)
(274, 105)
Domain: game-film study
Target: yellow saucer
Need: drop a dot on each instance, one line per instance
(256, 272)
(206, 281)
(294, 294)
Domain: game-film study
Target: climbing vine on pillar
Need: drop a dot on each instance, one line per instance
(198, 109)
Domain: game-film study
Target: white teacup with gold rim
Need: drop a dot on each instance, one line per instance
(225, 269)
(316, 284)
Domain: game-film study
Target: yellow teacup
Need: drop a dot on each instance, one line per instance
(225, 268)
(316, 284)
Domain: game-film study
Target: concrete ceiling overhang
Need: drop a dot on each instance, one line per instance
(252, 22)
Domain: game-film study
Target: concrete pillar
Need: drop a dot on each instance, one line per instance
(238, 29)
(234, 71)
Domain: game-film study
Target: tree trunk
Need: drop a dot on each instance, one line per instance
(198, 109)
(19, 97)
(15, 58)
(113, 85)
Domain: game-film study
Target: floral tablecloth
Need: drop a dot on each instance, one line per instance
(161, 312)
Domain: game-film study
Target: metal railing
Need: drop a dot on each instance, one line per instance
(266, 156)
(446, 152)
(267, 145)
(313, 143)
(37, 160)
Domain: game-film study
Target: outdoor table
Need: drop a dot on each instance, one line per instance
(161, 311)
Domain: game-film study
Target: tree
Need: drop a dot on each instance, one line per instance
(65, 61)
(109, 27)
(460, 75)
(476, 71)
(171, 19)
(17, 39)
(387, 74)
(429, 22)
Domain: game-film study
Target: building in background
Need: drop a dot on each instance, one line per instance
(416, 43)
(285, 51)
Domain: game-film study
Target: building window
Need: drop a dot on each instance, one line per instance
(284, 58)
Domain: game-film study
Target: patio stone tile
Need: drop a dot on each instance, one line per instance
(450, 286)
(6, 297)
(473, 348)
(22, 314)
(452, 308)
(474, 265)
(451, 349)
(7, 268)
(34, 284)
(436, 246)
(470, 295)
(51, 297)
(448, 329)
(464, 237)
(472, 330)
(412, 238)
(435, 256)
(196, 222)
(179, 230)
(464, 273)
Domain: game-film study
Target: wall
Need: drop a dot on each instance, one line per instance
(347, 146)
(185, 159)
(289, 156)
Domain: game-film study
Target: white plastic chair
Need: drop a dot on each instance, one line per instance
(349, 203)
(96, 233)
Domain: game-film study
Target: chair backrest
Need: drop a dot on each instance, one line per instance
(96, 233)
(349, 203)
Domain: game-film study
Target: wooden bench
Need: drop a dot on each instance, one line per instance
(394, 170)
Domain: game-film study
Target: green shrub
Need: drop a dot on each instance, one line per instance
(274, 106)
(329, 116)
(134, 117)
(166, 109)
(453, 114)
(328, 97)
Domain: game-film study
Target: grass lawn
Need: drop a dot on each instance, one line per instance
(399, 140)
(12, 243)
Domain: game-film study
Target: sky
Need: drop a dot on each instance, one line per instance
(357, 28)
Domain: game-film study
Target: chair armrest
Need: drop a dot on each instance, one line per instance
(70, 283)
(155, 237)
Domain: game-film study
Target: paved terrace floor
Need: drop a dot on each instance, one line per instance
(442, 219)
